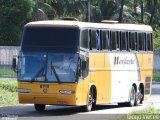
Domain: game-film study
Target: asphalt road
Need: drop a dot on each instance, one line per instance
(102, 112)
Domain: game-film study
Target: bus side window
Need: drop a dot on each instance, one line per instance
(118, 43)
(105, 40)
(98, 40)
(132, 41)
(145, 41)
(90, 42)
(127, 37)
(84, 71)
(113, 40)
(149, 42)
(123, 41)
(140, 41)
(109, 40)
(84, 43)
(93, 40)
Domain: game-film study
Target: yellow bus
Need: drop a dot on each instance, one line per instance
(66, 62)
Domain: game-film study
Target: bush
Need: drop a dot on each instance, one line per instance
(8, 92)
(156, 76)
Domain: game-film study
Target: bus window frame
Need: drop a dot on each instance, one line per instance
(91, 39)
(107, 38)
(86, 49)
(149, 49)
(97, 31)
(133, 42)
(127, 33)
(145, 40)
(151, 41)
(142, 47)
(111, 41)
(124, 41)
(98, 45)
(118, 41)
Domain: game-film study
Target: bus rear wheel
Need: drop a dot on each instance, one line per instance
(132, 96)
(139, 97)
(39, 107)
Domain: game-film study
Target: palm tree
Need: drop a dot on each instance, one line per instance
(43, 10)
(108, 9)
(153, 4)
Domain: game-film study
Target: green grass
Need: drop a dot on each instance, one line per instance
(8, 92)
(146, 114)
(156, 76)
(4, 71)
(150, 110)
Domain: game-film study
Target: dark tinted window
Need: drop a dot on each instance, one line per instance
(127, 37)
(105, 40)
(145, 40)
(149, 42)
(140, 41)
(98, 40)
(123, 41)
(118, 39)
(93, 40)
(113, 40)
(132, 41)
(44, 38)
(84, 43)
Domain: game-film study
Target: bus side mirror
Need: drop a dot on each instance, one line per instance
(14, 64)
(84, 65)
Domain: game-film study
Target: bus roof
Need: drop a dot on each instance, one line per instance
(117, 26)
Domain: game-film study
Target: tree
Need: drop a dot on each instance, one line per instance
(142, 10)
(43, 10)
(70, 8)
(121, 11)
(108, 9)
(157, 39)
(14, 14)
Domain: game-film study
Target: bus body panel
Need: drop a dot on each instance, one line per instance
(101, 76)
(146, 71)
(46, 93)
(124, 73)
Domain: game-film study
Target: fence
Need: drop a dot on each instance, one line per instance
(7, 53)
(156, 75)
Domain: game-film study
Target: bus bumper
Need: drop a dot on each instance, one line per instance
(26, 98)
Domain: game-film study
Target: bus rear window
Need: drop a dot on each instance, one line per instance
(38, 38)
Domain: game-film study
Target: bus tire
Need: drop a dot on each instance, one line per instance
(89, 105)
(39, 107)
(132, 97)
(141, 100)
(140, 96)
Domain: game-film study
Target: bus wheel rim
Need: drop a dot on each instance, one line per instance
(132, 98)
(90, 102)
